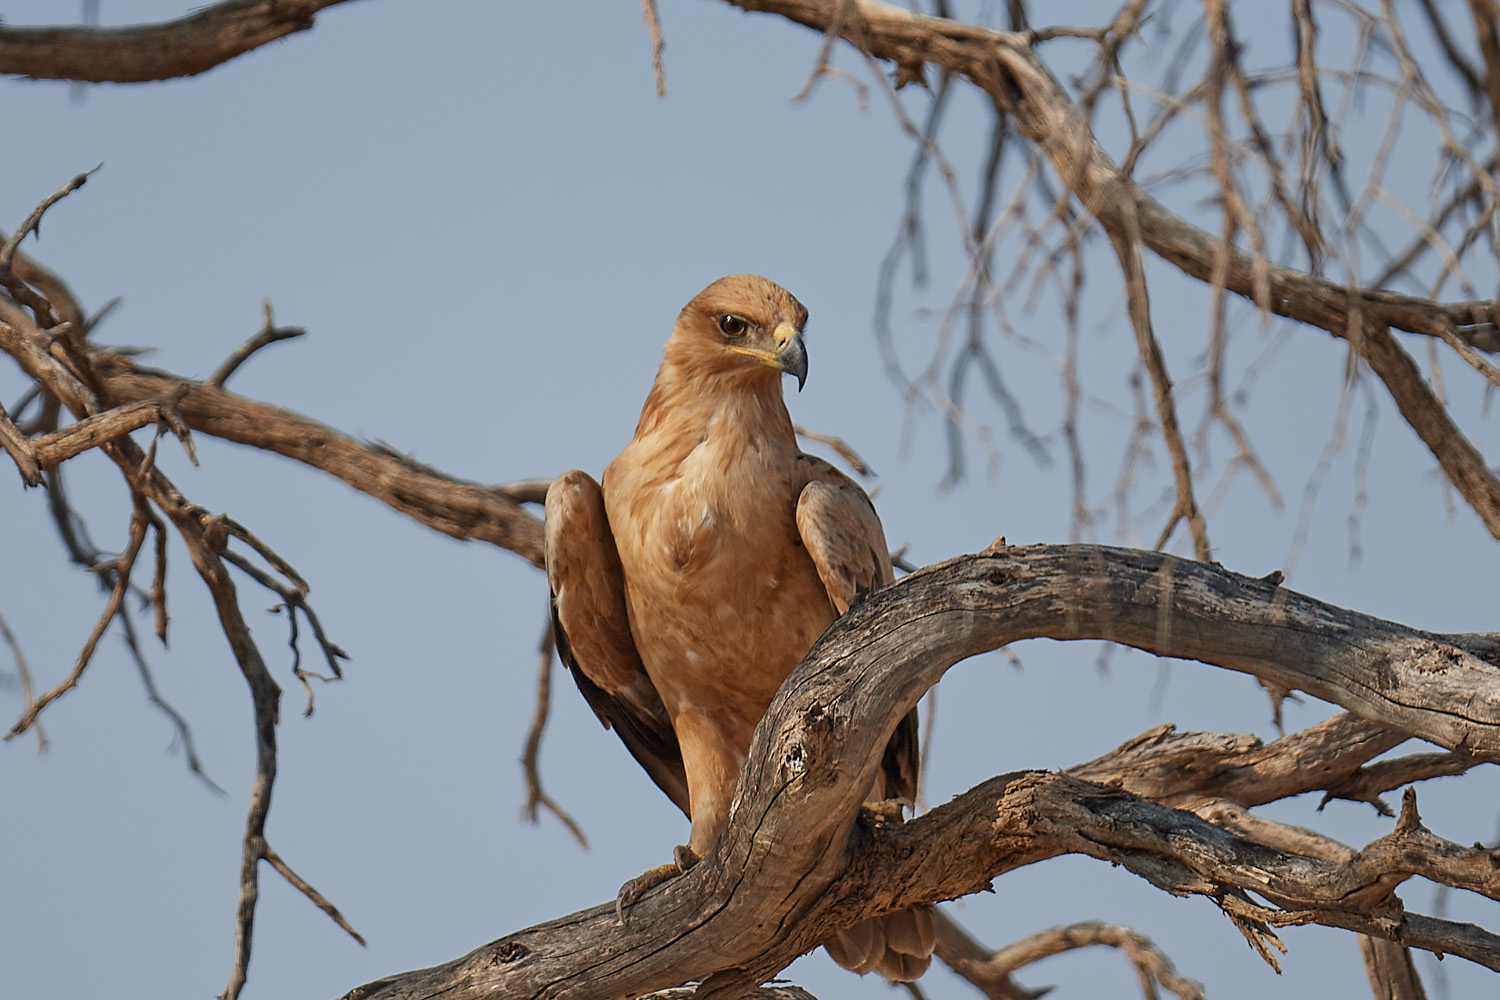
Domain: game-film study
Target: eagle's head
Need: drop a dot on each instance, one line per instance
(743, 325)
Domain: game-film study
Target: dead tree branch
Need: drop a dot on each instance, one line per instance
(56, 358)
(53, 449)
(1005, 66)
(190, 45)
(1152, 966)
(536, 796)
(1186, 507)
(461, 509)
(23, 671)
(20, 450)
(971, 960)
(269, 334)
(739, 918)
(119, 569)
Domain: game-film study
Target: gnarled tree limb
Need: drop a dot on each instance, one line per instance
(794, 862)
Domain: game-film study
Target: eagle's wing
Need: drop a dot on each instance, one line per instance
(593, 630)
(842, 534)
(840, 530)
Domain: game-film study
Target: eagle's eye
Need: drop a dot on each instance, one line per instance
(731, 325)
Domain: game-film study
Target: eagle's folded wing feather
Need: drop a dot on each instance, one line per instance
(842, 534)
(593, 630)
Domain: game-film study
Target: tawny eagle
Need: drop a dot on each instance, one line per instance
(687, 587)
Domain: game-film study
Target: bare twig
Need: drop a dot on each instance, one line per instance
(24, 672)
(1456, 58)
(452, 506)
(1186, 508)
(1487, 32)
(1483, 367)
(1151, 964)
(653, 26)
(184, 731)
(1008, 70)
(1367, 783)
(908, 242)
(302, 886)
(847, 453)
(293, 601)
(77, 386)
(121, 568)
(970, 959)
(536, 796)
(33, 223)
(269, 333)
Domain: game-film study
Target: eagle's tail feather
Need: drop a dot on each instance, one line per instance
(897, 945)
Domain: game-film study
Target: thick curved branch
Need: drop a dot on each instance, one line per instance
(793, 863)
(724, 917)
(139, 53)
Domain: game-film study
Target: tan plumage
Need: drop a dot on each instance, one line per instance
(688, 586)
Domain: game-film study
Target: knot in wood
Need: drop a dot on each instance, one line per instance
(995, 576)
(508, 952)
(813, 727)
(793, 761)
(1436, 658)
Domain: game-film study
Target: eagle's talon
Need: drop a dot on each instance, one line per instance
(631, 892)
(879, 813)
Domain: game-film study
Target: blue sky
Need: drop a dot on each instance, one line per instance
(487, 222)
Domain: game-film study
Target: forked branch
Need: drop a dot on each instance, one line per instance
(57, 359)
(739, 916)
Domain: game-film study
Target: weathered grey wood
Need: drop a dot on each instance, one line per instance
(793, 864)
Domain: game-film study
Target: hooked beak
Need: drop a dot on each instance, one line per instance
(791, 354)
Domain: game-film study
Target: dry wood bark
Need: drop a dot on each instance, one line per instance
(798, 859)
(461, 509)
(139, 53)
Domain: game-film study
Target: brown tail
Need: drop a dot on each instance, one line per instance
(897, 945)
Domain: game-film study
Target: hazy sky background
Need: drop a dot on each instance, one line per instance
(487, 222)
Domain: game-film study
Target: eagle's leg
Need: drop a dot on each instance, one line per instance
(683, 858)
(712, 763)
